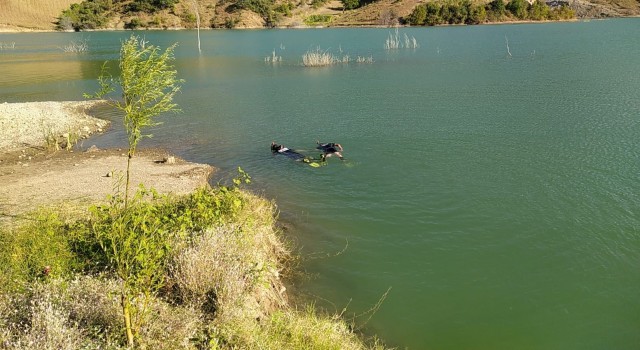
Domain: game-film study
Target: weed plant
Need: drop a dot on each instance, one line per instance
(393, 42)
(319, 58)
(363, 59)
(76, 47)
(316, 20)
(7, 45)
(273, 58)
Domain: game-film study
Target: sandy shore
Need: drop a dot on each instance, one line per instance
(33, 175)
(27, 125)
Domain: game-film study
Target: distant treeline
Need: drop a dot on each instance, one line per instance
(465, 12)
(94, 14)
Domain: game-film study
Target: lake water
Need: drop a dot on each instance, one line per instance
(497, 196)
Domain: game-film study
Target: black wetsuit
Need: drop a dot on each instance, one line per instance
(275, 148)
(327, 147)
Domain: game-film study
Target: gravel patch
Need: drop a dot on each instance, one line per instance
(29, 125)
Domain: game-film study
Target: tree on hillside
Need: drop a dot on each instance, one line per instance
(434, 16)
(518, 8)
(148, 82)
(350, 4)
(85, 15)
(477, 15)
(151, 6)
(539, 11)
(418, 15)
(497, 10)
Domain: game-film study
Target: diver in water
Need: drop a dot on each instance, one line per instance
(329, 149)
(278, 148)
(281, 149)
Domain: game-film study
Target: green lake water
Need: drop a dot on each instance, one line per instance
(497, 196)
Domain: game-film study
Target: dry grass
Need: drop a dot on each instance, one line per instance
(273, 58)
(33, 14)
(364, 59)
(295, 329)
(76, 46)
(319, 58)
(393, 42)
(39, 319)
(7, 45)
(235, 266)
(85, 313)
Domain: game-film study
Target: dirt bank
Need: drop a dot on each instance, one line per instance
(34, 124)
(32, 174)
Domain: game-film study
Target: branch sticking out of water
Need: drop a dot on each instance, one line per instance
(319, 58)
(7, 46)
(393, 42)
(76, 46)
(273, 58)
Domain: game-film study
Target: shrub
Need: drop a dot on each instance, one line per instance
(150, 6)
(317, 19)
(36, 250)
(318, 3)
(85, 15)
(350, 4)
(418, 15)
(285, 8)
(265, 8)
(134, 23)
(518, 8)
(189, 19)
(465, 12)
(388, 18)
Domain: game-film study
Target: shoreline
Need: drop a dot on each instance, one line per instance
(34, 173)
(9, 29)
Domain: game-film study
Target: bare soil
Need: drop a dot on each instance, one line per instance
(32, 175)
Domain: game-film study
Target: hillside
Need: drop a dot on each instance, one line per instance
(31, 14)
(43, 14)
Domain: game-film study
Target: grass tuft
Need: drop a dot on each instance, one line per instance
(76, 47)
(273, 58)
(7, 45)
(393, 42)
(319, 58)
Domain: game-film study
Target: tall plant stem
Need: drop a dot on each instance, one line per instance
(126, 312)
(126, 189)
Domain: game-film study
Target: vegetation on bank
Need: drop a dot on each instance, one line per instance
(96, 14)
(203, 271)
(466, 12)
